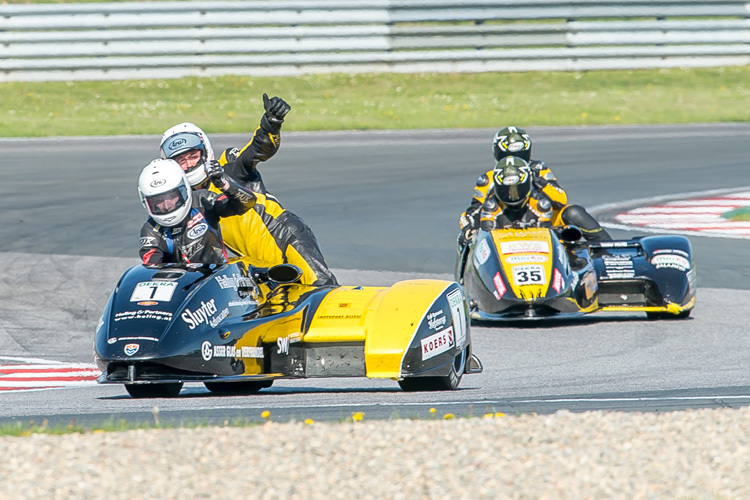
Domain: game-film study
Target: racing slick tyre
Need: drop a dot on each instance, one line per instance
(238, 387)
(446, 383)
(665, 315)
(168, 390)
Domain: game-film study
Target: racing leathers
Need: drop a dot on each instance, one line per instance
(269, 234)
(197, 239)
(546, 183)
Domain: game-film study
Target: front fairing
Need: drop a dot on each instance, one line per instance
(155, 310)
(521, 269)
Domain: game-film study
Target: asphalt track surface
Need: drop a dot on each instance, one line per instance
(384, 207)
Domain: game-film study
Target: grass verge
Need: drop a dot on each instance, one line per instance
(379, 101)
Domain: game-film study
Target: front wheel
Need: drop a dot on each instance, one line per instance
(446, 383)
(168, 390)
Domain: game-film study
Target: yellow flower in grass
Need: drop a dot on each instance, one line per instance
(265, 414)
(309, 421)
(448, 416)
(358, 416)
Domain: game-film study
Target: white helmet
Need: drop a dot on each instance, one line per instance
(184, 137)
(165, 192)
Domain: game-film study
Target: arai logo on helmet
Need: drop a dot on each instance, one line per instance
(515, 146)
(177, 143)
(511, 179)
(157, 182)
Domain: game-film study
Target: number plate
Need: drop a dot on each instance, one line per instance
(153, 290)
(529, 275)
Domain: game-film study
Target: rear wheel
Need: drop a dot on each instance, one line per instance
(666, 315)
(249, 387)
(168, 390)
(446, 383)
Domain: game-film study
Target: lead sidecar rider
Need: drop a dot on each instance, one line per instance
(183, 225)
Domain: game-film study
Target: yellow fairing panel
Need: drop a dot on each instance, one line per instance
(394, 324)
(526, 257)
(343, 313)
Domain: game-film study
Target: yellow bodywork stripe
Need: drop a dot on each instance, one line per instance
(669, 308)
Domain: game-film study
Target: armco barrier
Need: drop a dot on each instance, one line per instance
(77, 41)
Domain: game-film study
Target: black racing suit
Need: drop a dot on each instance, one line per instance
(198, 238)
(545, 182)
(270, 234)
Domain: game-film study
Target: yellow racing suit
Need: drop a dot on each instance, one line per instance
(269, 234)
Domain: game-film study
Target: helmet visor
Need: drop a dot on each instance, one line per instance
(181, 142)
(168, 202)
(513, 194)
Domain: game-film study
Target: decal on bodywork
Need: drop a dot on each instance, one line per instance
(673, 258)
(143, 314)
(153, 290)
(200, 315)
(210, 351)
(618, 266)
(437, 343)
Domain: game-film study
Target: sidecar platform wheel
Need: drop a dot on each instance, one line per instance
(168, 390)
(249, 387)
(446, 383)
(666, 315)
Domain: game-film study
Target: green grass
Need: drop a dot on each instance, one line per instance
(116, 424)
(379, 101)
(740, 214)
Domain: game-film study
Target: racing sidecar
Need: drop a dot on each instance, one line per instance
(534, 272)
(237, 328)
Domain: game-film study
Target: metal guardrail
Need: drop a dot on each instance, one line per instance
(65, 41)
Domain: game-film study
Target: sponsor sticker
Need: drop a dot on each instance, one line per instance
(670, 260)
(618, 266)
(528, 246)
(121, 339)
(143, 314)
(200, 315)
(197, 231)
(437, 343)
(153, 291)
(131, 349)
(195, 220)
(436, 320)
(482, 252)
(218, 318)
(499, 285)
(209, 351)
(525, 259)
(557, 281)
(234, 281)
(147, 241)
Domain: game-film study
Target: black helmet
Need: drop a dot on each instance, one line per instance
(512, 181)
(511, 141)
